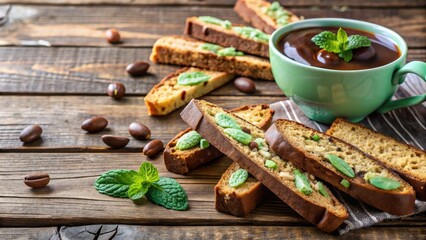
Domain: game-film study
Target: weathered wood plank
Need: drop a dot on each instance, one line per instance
(139, 25)
(125, 232)
(305, 3)
(35, 70)
(61, 117)
(70, 198)
(62, 71)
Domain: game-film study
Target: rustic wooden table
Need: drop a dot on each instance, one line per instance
(59, 86)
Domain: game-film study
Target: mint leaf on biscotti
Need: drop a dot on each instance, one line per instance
(115, 183)
(168, 193)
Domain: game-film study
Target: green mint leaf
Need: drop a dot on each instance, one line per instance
(188, 140)
(168, 193)
(192, 78)
(239, 135)
(384, 183)
(216, 21)
(302, 182)
(252, 33)
(346, 55)
(211, 47)
(226, 121)
(321, 189)
(148, 172)
(238, 178)
(271, 164)
(327, 41)
(138, 190)
(345, 183)
(342, 37)
(204, 144)
(341, 165)
(315, 137)
(115, 183)
(231, 51)
(357, 41)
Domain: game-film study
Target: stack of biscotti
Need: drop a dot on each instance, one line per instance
(301, 191)
(342, 165)
(182, 161)
(408, 161)
(264, 15)
(186, 51)
(246, 39)
(170, 93)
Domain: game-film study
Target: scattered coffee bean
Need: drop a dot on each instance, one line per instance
(253, 145)
(137, 68)
(115, 141)
(139, 131)
(116, 90)
(37, 180)
(113, 36)
(94, 124)
(152, 148)
(245, 85)
(246, 130)
(30, 133)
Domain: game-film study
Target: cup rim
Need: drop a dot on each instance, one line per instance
(321, 22)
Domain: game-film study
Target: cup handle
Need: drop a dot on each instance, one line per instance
(416, 67)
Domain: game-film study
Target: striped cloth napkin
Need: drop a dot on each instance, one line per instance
(406, 125)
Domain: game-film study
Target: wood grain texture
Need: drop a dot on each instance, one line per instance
(70, 198)
(139, 24)
(305, 3)
(61, 118)
(126, 232)
(35, 70)
(59, 71)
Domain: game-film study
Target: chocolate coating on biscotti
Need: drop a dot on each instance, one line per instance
(250, 16)
(317, 215)
(389, 201)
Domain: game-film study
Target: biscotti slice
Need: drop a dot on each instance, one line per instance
(246, 39)
(171, 93)
(408, 161)
(299, 190)
(183, 161)
(187, 51)
(238, 201)
(264, 15)
(342, 165)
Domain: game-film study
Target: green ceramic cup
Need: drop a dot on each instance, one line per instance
(324, 94)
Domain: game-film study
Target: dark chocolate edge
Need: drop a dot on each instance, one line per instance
(397, 204)
(315, 214)
(250, 16)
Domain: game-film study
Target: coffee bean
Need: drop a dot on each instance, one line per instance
(115, 141)
(30, 133)
(137, 68)
(113, 36)
(116, 90)
(246, 130)
(94, 124)
(152, 148)
(37, 180)
(245, 85)
(253, 145)
(139, 131)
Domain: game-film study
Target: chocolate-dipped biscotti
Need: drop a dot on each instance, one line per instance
(181, 161)
(264, 15)
(301, 191)
(224, 33)
(186, 51)
(408, 161)
(342, 165)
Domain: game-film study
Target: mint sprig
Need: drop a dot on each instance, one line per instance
(166, 192)
(340, 43)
